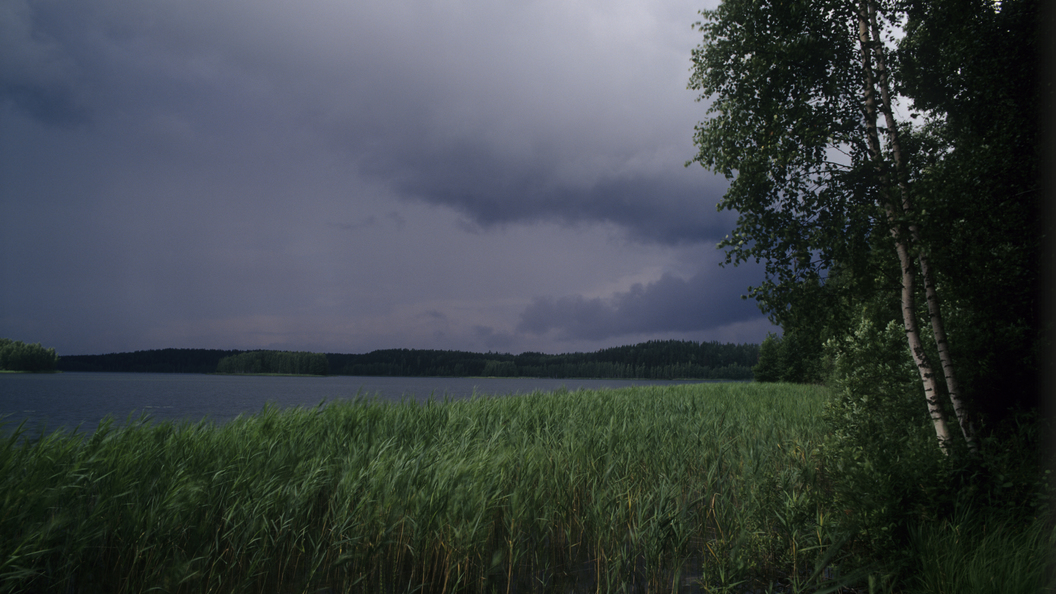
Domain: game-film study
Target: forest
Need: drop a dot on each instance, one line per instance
(150, 361)
(274, 362)
(658, 359)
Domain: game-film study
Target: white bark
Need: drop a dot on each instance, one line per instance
(909, 316)
(934, 311)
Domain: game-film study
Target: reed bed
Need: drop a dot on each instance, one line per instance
(648, 489)
(1005, 558)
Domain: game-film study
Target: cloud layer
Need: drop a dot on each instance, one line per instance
(670, 304)
(356, 175)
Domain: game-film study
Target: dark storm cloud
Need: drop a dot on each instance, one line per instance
(518, 129)
(51, 105)
(669, 209)
(705, 301)
(389, 173)
(37, 72)
(435, 118)
(491, 339)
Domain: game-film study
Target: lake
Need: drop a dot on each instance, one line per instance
(71, 400)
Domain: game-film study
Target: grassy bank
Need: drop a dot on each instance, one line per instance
(639, 489)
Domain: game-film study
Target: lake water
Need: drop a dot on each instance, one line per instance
(70, 400)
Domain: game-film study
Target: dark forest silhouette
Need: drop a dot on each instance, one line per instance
(657, 359)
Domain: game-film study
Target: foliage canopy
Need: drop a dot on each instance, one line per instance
(825, 190)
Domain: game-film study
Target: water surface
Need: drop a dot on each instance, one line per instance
(70, 400)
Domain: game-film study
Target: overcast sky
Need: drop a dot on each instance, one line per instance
(351, 175)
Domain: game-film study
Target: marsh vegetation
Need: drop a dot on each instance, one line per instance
(714, 487)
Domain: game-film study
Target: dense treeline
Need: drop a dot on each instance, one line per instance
(152, 361)
(284, 362)
(16, 355)
(658, 359)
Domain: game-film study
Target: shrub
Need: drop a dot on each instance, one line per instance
(905, 505)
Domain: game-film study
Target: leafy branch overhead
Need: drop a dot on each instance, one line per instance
(852, 206)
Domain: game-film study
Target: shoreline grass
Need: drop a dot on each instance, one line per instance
(693, 487)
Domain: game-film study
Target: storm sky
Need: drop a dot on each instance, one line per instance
(351, 175)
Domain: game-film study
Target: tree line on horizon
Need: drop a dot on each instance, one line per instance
(149, 361)
(657, 359)
(275, 362)
(16, 355)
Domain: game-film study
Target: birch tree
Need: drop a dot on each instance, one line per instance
(797, 91)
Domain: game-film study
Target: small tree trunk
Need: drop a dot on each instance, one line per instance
(916, 346)
(909, 315)
(934, 311)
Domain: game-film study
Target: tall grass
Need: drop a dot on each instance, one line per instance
(998, 559)
(638, 489)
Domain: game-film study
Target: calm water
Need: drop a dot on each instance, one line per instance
(70, 400)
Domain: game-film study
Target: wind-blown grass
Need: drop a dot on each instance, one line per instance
(1001, 559)
(638, 489)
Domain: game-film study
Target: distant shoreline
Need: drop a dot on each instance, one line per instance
(653, 360)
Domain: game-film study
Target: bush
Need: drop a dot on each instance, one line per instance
(906, 505)
(771, 360)
(881, 449)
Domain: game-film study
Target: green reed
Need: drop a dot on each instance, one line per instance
(639, 489)
(999, 558)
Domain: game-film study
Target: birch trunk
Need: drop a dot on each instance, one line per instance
(934, 312)
(909, 316)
